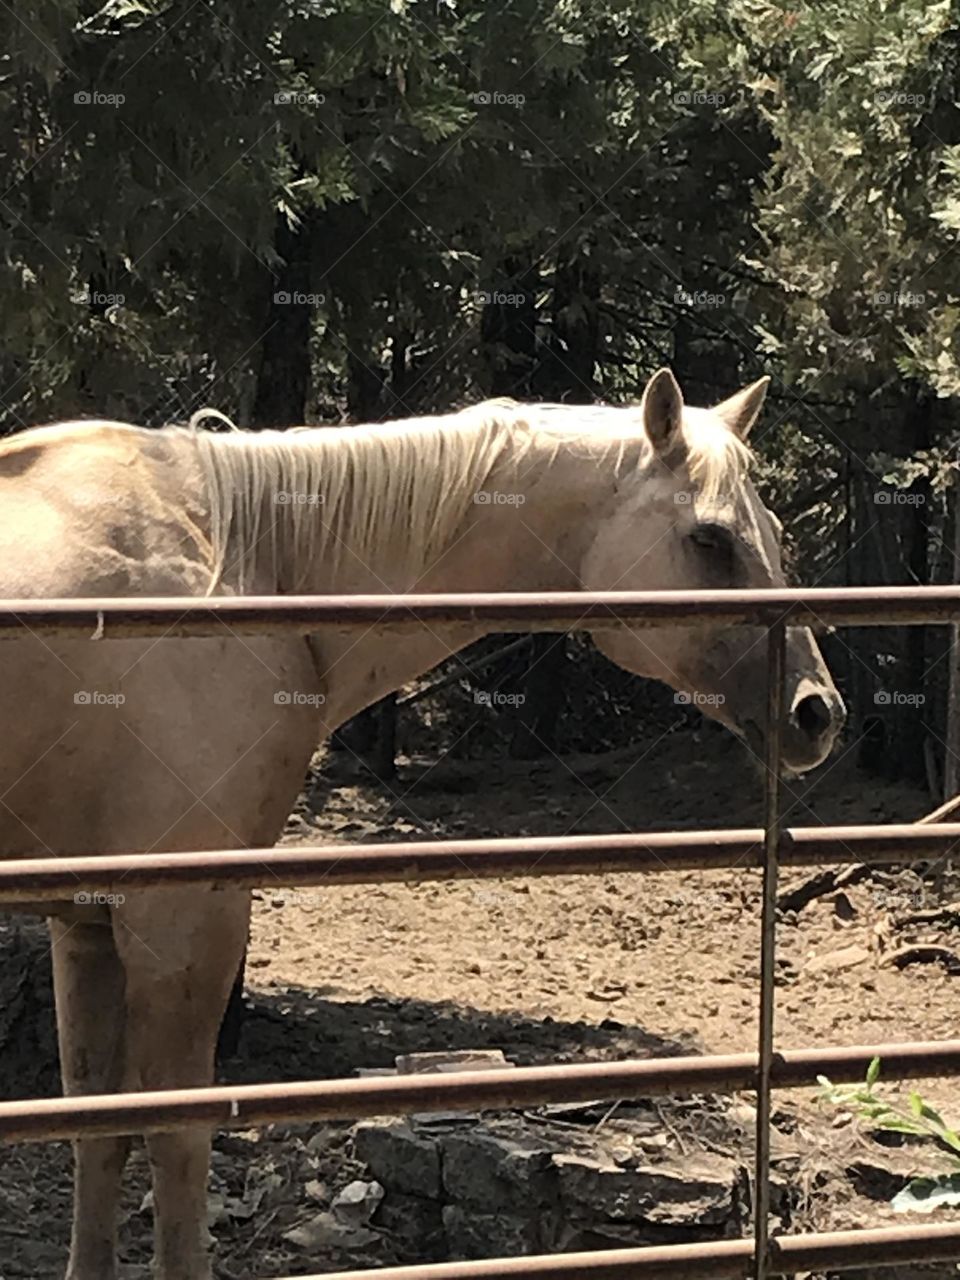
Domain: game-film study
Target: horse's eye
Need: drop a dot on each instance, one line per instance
(711, 537)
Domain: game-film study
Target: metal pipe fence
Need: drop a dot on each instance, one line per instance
(724, 1260)
(250, 1106)
(32, 881)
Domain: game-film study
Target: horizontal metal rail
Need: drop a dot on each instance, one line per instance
(181, 616)
(249, 1106)
(723, 1260)
(36, 880)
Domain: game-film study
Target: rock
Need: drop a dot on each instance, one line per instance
(497, 1170)
(472, 1235)
(654, 1143)
(843, 906)
(398, 1157)
(841, 958)
(356, 1204)
(453, 1060)
(415, 1224)
(324, 1231)
(701, 1190)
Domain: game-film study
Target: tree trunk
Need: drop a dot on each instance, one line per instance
(283, 377)
(911, 718)
(508, 330)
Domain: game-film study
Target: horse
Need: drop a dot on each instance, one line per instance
(135, 745)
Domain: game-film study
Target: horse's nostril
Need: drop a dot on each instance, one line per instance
(813, 716)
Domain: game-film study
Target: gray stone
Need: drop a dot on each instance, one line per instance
(701, 1190)
(415, 1225)
(452, 1060)
(838, 959)
(356, 1204)
(497, 1170)
(398, 1157)
(472, 1234)
(323, 1231)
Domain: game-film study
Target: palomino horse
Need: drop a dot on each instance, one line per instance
(137, 745)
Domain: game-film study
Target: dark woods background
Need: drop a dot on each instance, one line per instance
(360, 209)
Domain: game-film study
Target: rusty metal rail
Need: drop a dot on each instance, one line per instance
(248, 1106)
(177, 617)
(33, 881)
(29, 880)
(722, 1260)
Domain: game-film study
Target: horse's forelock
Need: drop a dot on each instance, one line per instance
(718, 461)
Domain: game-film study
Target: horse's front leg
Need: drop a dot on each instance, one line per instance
(88, 984)
(180, 950)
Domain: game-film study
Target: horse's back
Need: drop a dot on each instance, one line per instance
(98, 509)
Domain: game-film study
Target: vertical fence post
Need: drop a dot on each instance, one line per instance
(776, 644)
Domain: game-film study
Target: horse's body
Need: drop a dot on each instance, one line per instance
(172, 745)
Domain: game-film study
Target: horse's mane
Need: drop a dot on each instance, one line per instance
(307, 493)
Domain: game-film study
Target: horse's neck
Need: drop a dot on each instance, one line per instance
(533, 543)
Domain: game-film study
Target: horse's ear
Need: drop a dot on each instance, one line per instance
(662, 410)
(741, 411)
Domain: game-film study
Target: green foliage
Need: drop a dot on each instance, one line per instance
(918, 1119)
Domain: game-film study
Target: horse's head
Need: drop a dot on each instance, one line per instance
(688, 516)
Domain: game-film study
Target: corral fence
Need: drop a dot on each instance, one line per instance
(769, 847)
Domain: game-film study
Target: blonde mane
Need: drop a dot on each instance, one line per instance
(338, 493)
(718, 461)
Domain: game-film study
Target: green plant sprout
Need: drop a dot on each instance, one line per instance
(924, 1193)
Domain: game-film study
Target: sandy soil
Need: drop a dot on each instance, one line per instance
(675, 953)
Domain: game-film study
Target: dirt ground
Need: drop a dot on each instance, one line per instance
(554, 969)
